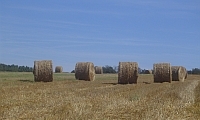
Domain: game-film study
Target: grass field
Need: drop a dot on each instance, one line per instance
(67, 98)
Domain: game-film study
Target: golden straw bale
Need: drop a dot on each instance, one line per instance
(43, 71)
(178, 73)
(127, 72)
(58, 69)
(85, 71)
(98, 70)
(162, 72)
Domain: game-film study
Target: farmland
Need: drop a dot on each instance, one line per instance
(67, 98)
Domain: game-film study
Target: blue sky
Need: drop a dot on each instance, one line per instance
(103, 32)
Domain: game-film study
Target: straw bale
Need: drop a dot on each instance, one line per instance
(58, 69)
(43, 71)
(178, 73)
(85, 71)
(186, 73)
(98, 70)
(162, 72)
(127, 72)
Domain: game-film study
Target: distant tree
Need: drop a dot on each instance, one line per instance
(196, 71)
(115, 68)
(73, 71)
(140, 70)
(108, 69)
(189, 71)
(1, 67)
(15, 68)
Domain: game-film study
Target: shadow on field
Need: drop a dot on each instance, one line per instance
(25, 80)
(111, 83)
(124, 84)
(147, 82)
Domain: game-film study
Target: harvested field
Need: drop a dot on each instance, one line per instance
(67, 98)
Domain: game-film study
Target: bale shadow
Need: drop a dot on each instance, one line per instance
(120, 83)
(147, 82)
(26, 81)
(111, 83)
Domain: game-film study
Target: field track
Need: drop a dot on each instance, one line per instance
(67, 98)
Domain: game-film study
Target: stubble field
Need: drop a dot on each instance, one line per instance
(67, 98)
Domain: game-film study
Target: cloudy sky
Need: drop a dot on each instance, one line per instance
(101, 31)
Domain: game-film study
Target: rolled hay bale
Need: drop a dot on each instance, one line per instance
(98, 70)
(178, 73)
(148, 71)
(152, 71)
(85, 71)
(127, 72)
(186, 73)
(58, 69)
(43, 71)
(162, 72)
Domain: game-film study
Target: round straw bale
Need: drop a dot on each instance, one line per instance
(148, 71)
(58, 69)
(85, 71)
(43, 71)
(178, 73)
(98, 70)
(186, 73)
(162, 72)
(152, 71)
(127, 72)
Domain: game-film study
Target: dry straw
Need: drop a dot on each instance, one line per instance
(179, 73)
(85, 71)
(43, 71)
(98, 70)
(186, 73)
(127, 72)
(58, 69)
(162, 72)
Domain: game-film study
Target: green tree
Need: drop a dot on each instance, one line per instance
(73, 71)
(15, 68)
(196, 71)
(108, 69)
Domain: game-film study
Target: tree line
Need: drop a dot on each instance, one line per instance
(106, 69)
(194, 71)
(15, 68)
(114, 69)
